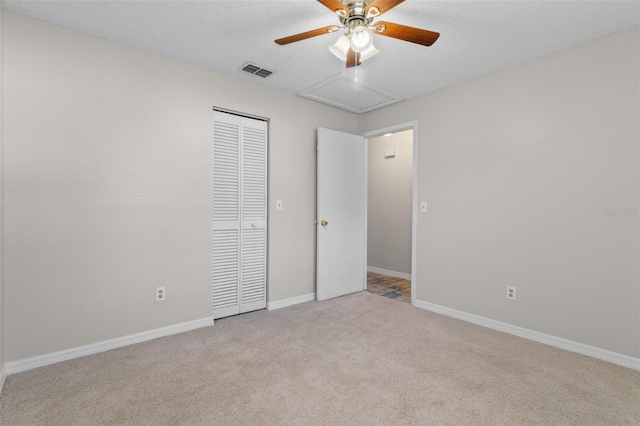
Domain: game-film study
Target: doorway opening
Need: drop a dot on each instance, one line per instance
(391, 207)
(341, 210)
(389, 203)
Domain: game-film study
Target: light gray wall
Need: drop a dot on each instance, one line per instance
(389, 197)
(518, 167)
(1, 192)
(108, 186)
(108, 190)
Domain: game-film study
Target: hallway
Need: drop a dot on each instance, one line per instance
(391, 287)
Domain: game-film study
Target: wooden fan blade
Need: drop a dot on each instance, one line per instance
(382, 5)
(402, 32)
(308, 34)
(353, 58)
(334, 6)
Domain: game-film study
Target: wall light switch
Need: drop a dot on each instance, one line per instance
(423, 207)
(278, 204)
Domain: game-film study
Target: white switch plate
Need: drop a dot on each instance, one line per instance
(278, 204)
(423, 207)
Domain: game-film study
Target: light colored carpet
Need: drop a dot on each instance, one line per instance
(356, 360)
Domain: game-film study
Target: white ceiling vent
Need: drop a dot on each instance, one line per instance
(256, 70)
(350, 93)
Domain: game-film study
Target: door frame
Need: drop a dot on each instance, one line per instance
(410, 125)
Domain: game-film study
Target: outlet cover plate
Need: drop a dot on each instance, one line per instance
(161, 294)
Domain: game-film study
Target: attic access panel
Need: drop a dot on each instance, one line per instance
(350, 94)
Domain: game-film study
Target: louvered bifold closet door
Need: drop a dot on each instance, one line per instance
(254, 210)
(226, 215)
(239, 214)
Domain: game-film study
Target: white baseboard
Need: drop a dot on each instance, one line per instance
(558, 342)
(279, 304)
(389, 273)
(3, 377)
(54, 357)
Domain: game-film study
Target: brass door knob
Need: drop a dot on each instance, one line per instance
(324, 223)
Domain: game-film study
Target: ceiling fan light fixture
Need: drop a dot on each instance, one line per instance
(368, 53)
(361, 39)
(341, 47)
(356, 18)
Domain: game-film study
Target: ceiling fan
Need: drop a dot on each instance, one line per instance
(356, 16)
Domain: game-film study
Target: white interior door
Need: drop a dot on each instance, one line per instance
(341, 214)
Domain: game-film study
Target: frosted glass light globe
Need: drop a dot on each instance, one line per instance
(361, 39)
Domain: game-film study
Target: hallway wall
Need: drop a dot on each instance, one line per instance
(389, 199)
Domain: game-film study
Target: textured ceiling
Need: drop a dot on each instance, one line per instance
(476, 37)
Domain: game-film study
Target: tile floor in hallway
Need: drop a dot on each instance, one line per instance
(391, 287)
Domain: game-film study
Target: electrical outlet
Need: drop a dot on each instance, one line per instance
(511, 293)
(161, 294)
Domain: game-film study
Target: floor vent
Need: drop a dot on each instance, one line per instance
(256, 70)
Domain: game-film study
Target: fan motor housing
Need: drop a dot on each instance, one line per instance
(356, 17)
(353, 5)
